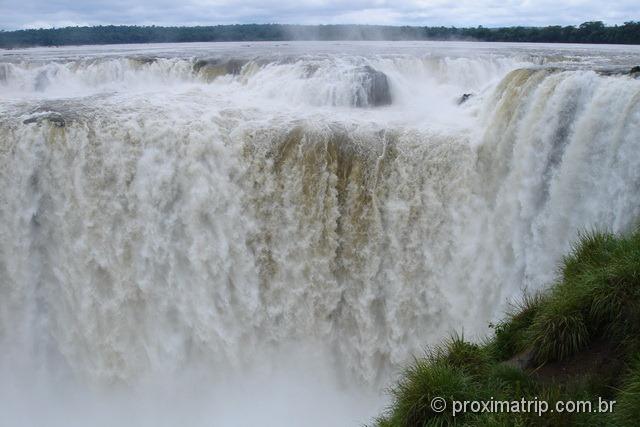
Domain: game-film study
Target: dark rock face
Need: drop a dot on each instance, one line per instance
(635, 71)
(376, 89)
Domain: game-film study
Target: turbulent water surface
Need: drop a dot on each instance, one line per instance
(263, 234)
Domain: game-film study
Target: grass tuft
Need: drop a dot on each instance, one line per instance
(469, 357)
(557, 335)
(423, 381)
(510, 334)
(627, 409)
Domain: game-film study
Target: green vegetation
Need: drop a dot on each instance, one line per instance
(628, 410)
(578, 341)
(588, 32)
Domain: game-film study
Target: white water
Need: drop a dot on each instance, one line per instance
(187, 246)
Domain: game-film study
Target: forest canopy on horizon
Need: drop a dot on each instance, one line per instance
(587, 32)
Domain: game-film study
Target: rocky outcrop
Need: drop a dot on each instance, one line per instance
(376, 89)
(618, 71)
(212, 68)
(143, 60)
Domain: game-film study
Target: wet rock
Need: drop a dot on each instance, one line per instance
(200, 64)
(213, 68)
(464, 98)
(620, 71)
(56, 119)
(376, 89)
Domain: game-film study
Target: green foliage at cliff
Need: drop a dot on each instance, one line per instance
(578, 341)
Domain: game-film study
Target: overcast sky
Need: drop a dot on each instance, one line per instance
(15, 14)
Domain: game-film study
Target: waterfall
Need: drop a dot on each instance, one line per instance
(219, 216)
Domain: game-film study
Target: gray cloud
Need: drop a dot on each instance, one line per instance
(49, 13)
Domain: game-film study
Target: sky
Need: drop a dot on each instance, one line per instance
(17, 14)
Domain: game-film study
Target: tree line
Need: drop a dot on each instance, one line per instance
(588, 32)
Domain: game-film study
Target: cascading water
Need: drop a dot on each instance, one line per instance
(267, 236)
